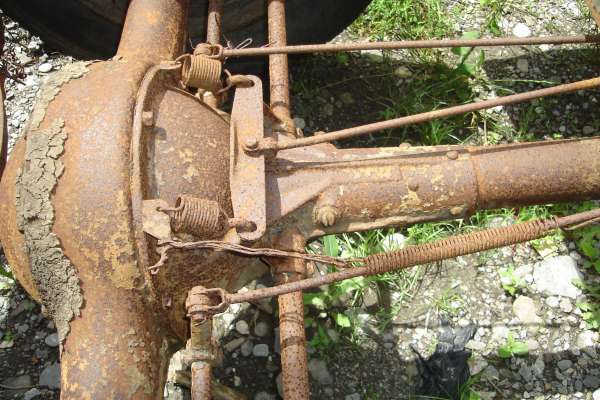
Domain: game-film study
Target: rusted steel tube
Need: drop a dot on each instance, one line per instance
(538, 174)
(152, 30)
(425, 253)
(408, 44)
(294, 362)
(430, 115)
(292, 337)
(213, 27)
(201, 381)
(278, 64)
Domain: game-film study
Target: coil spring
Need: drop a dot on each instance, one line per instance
(199, 217)
(458, 245)
(201, 72)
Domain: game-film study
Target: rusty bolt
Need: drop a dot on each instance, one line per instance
(327, 215)
(148, 118)
(456, 211)
(251, 143)
(452, 154)
(413, 186)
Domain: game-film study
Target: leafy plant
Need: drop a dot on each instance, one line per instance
(510, 281)
(513, 348)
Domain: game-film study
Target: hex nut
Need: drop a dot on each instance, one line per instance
(327, 215)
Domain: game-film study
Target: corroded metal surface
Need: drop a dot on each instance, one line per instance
(279, 80)
(111, 144)
(247, 177)
(292, 336)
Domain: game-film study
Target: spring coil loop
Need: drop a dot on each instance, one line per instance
(201, 72)
(458, 245)
(199, 217)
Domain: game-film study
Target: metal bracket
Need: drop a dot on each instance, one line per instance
(247, 170)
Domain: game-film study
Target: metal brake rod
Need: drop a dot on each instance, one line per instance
(319, 137)
(408, 44)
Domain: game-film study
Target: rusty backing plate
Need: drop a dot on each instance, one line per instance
(247, 180)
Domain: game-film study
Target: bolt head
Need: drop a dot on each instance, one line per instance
(456, 211)
(413, 186)
(251, 143)
(452, 154)
(327, 215)
(148, 118)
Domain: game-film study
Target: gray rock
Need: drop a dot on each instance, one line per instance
(552, 302)
(523, 65)
(538, 367)
(18, 382)
(565, 305)
(475, 345)
(588, 130)
(370, 298)
(264, 396)
(233, 344)
(526, 310)
(50, 376)
(319, 372)
(526, 373)
(591, 381)
(521, 30)
(260, 350)
(564, 364)
(554, 276)
(242, 327)
(31, 394)
(587, 343)
(353, 396)
(247, 348)
(45, 68)
(262, 329)
(532, 345)
(596, 394)
(52, 340)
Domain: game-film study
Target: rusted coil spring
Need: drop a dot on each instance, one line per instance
(200, 72)
(415, 255)
(202, 218)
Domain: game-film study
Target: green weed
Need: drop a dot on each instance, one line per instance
(510, 282)
(513, 348)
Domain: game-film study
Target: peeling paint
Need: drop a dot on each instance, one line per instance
(51, 89)
(52, 272)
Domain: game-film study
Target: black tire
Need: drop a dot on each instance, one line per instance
(90, 29)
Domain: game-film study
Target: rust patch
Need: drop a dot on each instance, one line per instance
(52, 272)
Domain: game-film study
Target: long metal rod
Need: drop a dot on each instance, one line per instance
(408, 44)
(429, 116)
(213, 26)
(425, 253)
(278, 66)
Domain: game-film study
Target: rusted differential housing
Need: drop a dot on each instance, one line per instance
(103, 138)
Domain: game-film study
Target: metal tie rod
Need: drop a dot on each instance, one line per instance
(320, 137)
(408, 44)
